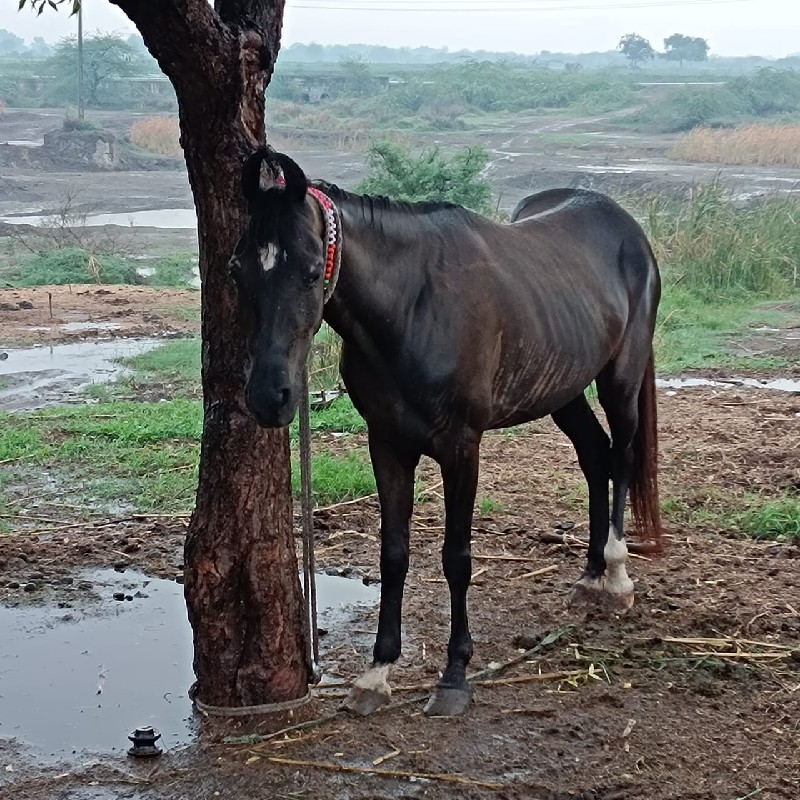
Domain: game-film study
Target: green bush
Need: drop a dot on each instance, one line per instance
(397, 173)
(73, 265)
(688, 108)
(769, 91)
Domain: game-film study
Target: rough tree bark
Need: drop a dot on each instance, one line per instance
(241, 582)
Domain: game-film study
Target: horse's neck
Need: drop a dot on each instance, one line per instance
(378, 275)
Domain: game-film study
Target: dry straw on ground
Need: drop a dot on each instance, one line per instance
(762, 145)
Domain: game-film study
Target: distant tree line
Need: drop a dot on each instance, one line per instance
(13, 45)
(677, 47)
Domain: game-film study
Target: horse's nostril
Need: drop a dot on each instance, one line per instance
(285, 394)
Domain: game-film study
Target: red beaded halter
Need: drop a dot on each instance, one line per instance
(332, 237)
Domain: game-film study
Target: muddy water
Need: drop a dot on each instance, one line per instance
(777, 384)
(74, 681)
(36, 377)
(159, 218)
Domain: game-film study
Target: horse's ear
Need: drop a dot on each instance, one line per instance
(251, 176)
(296, 181)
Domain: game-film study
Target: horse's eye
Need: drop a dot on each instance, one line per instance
(314, 274)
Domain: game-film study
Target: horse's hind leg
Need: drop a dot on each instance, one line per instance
(460, 476)
(618, 390)
(600, 582)
(394, 476)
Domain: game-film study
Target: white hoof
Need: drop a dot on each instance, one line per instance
(371, 691)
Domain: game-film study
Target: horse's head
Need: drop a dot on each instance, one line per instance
(278, 267)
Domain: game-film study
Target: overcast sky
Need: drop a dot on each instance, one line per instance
(732, 27)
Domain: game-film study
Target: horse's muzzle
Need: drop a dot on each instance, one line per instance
(272, 407)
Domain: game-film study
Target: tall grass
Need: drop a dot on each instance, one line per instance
(716, 249)
(764, 145)
(157, 135)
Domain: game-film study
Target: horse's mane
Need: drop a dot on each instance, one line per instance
(374, 205)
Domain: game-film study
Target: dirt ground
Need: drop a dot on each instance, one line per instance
(45, 314)
(623, 711)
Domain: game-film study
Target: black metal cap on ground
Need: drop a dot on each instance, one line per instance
(144, 742)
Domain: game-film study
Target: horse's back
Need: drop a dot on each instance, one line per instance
(591, 218)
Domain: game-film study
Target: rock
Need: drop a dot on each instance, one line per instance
(13, 584)
(31, 587)
(9, 307)
(119, 595)
(26, 304)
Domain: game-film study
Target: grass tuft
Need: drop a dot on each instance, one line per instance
(772, 519)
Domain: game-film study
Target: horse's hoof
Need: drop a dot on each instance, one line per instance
(445, 702)
(366, 701)
(370, 692)
(597, 594)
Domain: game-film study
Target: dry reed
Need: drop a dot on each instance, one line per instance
(157, 135)
(761, 145)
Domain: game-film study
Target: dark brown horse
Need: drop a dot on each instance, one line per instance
(453, 325)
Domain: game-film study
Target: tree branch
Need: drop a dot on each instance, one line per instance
(187, 38)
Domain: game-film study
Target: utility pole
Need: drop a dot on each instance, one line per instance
(80, 63)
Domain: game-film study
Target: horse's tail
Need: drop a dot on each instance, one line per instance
(644, 481)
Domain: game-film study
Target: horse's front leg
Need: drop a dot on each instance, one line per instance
(394, 476)
(460, 474)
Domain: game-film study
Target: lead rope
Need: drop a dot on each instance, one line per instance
(307, 514)
(333, 251)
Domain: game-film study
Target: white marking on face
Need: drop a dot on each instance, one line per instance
(615, 555)
(268, 256)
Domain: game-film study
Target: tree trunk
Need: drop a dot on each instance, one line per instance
(241, 575)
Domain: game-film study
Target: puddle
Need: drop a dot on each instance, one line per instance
(90, 326)
(158, 218)
(36, 377)
(26, 142)
(71, 682)
(777, 384)
(74, 681)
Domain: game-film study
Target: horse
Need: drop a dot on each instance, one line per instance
(452, 325)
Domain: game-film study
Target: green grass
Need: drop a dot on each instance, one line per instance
(75, 265)
(748, 515)
(692, 333)
(337, 478)
(143, 456)
(175, 271)
(340, 417)
(175, 361)
(772, 519)
(67, 265)
(488, 505)
(717, 249)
